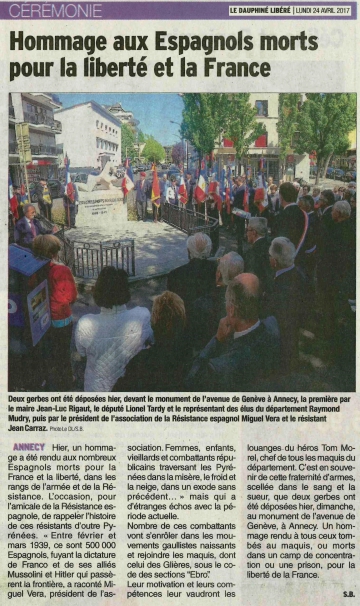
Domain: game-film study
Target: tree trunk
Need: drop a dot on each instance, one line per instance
(327, 160)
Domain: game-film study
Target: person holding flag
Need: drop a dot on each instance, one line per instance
(71, 196)
(128, 180)
(200, 193)
(164, 184)
(13, 202)
(182, 192)
(155, 194)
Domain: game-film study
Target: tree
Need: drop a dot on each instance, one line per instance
(241, 125)
(141, 137)
(153, 150)
(177, 154)
(325, 121)
(208, 116)
(288, 123)
(128, 142)
(202, 120)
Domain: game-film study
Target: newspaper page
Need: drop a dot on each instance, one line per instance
(187, 431)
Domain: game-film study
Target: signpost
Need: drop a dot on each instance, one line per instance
(24, 146)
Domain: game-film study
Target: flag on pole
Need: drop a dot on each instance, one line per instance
(128, 169)
(127, 185)
(214, 192)
(23, 194)
(13, 202)
(70, 189)
(182, 193)
(199, 193)
(222, 183)
(155, 192)
(260, 197)
(128, 180)
(246, 198)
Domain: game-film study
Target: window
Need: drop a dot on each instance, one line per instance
(261, 108)
(97, 123)
(261, 141)
(105, 126)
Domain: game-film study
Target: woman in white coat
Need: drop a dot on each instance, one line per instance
(111, 338)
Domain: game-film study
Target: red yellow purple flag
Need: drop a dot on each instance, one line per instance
(155, 192)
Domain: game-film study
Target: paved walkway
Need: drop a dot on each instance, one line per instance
(158, 246)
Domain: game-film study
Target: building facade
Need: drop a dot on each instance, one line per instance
(90, 135)
(265, 150)
(36, 112)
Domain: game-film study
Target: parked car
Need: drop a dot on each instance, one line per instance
(81, 178)
(56, 188)
(350, 175)
(330, 172)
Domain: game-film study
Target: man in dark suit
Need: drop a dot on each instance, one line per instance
(244, 350)
(257, 257)
(327, 260)
(292, 222)
(27, 228)
(239, 221)
(196, 278)
(142, 189)
(288, 299)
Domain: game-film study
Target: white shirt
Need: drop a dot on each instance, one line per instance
(109, 340)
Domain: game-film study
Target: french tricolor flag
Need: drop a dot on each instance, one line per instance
(199, 193)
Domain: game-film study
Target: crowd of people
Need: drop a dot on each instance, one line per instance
(230, 324)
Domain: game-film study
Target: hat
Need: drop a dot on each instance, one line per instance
(258, 224)
(142, 174)
(352, 184)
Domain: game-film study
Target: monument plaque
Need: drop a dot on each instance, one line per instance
(101, 208)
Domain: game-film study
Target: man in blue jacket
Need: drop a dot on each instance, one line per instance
(27, 228)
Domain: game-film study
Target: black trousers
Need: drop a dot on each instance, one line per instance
(45, 210)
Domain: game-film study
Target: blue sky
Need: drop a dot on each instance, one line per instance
(154, 111)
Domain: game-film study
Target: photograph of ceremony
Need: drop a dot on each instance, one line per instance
(191, 242)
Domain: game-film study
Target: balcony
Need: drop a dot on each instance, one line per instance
(39, 119)
(36, 150)
(57, 126)
(13, 147)
(43, 150)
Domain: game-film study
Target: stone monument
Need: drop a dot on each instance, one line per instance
(101, 202)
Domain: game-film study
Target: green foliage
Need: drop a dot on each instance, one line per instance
(128, 142)
(178, 153)
(141, 137)
(241, 125)
(208, 116)
(288, 122)
(325, 121)
(58, 215)
(153, 150)
(202, 120)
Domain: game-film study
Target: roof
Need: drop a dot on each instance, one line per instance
(96, 107)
